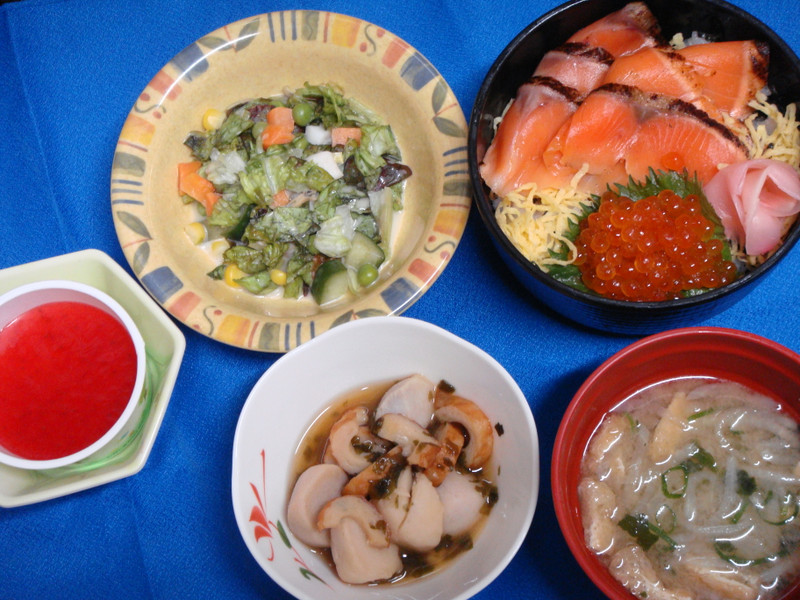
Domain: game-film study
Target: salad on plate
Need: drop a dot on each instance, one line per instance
(296, 193)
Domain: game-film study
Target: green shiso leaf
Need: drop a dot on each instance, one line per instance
(570, 274)
(681, 183)
(656, 181)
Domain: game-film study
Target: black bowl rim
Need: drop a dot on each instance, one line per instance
(487, 213)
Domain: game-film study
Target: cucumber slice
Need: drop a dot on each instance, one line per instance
(382, 206)
(331, 282)
(363, 252)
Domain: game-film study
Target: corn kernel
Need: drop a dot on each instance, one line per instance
(278, 276)
(232, 273)
(217, 248)
(196, 232)
(212, 119)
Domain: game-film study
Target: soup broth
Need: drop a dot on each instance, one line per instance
(689, 490)
(312, 451)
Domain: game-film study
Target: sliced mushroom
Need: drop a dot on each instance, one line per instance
(413, 512)
(377, 478)
(462, 502)
(350, 442)
(411, 397)
(315, 487)
(356, 560)
(451, 441)
(417, 444)
(480, 433)
(359, 510)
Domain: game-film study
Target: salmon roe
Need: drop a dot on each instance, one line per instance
(650, 250)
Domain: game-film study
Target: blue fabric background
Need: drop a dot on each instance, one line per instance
(70, 72)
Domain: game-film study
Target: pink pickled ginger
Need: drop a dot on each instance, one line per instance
(754, 199)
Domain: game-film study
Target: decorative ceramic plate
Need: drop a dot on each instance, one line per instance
(262, 56)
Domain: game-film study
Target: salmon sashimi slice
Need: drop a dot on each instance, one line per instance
(551, 176)
(576, 65)
(730, 72)
(656, 70)
(675, 136)
(662, 71)
(541, 106)
(679, 141)
(620, 131)
(622, 32)
(598, 134)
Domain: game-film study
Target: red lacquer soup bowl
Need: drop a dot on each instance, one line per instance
(72, 370)
(753, 361)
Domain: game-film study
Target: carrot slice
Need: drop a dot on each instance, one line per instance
(280, 127)
(340, 135)
(280, 198)
(276, 134)
(280, 115)
(191, 183)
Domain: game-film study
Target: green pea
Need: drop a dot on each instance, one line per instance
(366, 275)
(302, 113)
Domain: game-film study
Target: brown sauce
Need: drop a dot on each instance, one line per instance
(311, 449)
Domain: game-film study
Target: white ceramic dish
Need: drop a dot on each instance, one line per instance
(29, 296)
(164, 346)
(302, 383)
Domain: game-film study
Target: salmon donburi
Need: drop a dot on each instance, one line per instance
(645, 165)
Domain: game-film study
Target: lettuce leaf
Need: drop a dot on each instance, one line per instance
(283, 224)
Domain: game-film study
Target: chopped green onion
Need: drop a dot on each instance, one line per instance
(669, 486)
(637, 526)
(699, 459)
(634, 424)
(736, 517)
(662, 514)
(727, 552)
(787, 510)
(699, 414)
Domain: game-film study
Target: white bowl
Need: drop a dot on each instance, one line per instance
(164, 348)
(295, 390)
(25, 298)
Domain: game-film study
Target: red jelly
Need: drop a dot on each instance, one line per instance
(67, 371)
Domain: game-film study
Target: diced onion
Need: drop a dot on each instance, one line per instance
(326, 160)
(317, 135)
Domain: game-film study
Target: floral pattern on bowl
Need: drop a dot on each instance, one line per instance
(264, 529)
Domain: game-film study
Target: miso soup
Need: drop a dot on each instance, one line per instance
(689, 490)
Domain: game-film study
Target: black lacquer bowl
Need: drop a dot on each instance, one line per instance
(715, 19)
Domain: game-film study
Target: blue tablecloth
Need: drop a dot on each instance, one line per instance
(71, 70)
